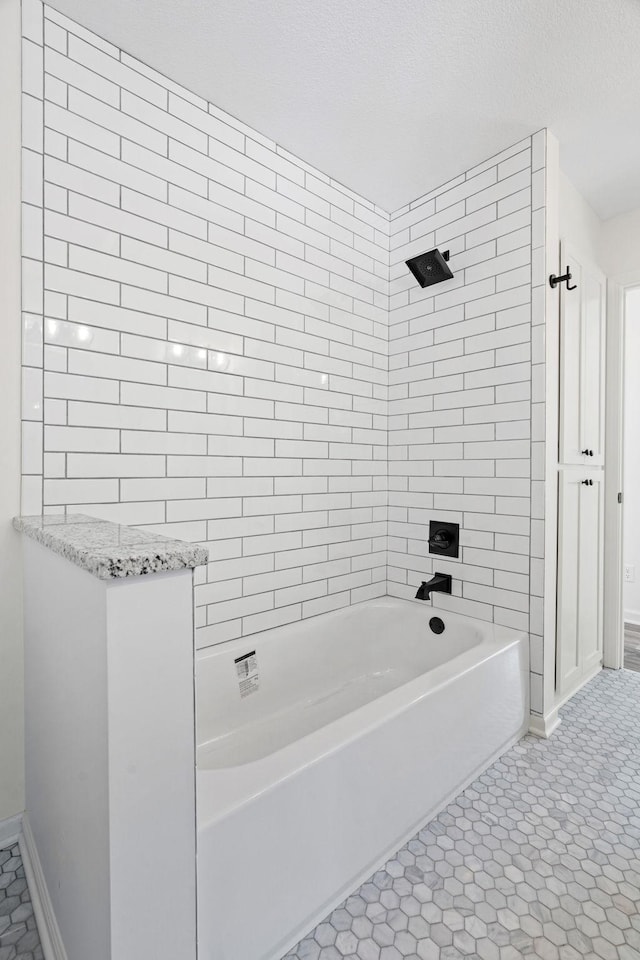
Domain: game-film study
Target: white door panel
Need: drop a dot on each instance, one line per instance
(580, 458)
(580, 569)
(568, 669)
(591, 570)
(582, 362)
(592, 374)
(570, 354)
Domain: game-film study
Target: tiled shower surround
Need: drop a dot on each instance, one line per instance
(220, 346)
(466, 442)
(215, 337)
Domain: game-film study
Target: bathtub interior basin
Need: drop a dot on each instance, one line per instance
(258, 694)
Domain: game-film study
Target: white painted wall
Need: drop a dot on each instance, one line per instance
(152, 804)
(631, 550)
(620, 246)
(613, 245)
(110, 756)
(67, 785)
(11, 671)
(579, 224)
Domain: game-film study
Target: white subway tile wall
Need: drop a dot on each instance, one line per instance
(219, 345)
(206, 341)
(464, 434)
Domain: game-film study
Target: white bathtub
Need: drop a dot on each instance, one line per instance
(355, 728)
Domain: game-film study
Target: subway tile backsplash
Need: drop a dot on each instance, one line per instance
(223, 344)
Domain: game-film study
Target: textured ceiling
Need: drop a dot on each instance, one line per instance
(393, 97)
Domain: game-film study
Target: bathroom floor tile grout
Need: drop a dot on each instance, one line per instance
(538, 857)
(19, 938)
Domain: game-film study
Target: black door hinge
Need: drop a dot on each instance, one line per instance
(620, 498)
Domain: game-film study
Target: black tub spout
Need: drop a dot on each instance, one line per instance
(440, 583)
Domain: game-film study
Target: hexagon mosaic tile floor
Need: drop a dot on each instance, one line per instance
(19, 938)
(539, 857)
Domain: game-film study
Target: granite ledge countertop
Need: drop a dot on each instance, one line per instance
(108, 550)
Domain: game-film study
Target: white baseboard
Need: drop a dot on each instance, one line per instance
(52, 945)
(561, 699)
(10, 830)
(544, 726)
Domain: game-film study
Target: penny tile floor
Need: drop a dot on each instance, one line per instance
(19, 938)
(539, 857)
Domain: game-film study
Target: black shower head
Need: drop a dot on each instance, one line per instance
(430, 267)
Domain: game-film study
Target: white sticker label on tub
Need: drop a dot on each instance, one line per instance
(247, 671)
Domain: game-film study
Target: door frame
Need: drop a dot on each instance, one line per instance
(613, 651)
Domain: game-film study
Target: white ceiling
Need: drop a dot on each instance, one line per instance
(394, 97)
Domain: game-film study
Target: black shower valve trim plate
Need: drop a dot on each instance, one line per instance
(444, 538)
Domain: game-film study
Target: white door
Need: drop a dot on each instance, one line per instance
(568, 666)
(591, 566)
(580, 576)
(582, 362)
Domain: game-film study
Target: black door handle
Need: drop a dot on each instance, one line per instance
(588, 483)
(588, 453)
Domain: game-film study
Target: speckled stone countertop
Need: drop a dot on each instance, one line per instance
(108, 550)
